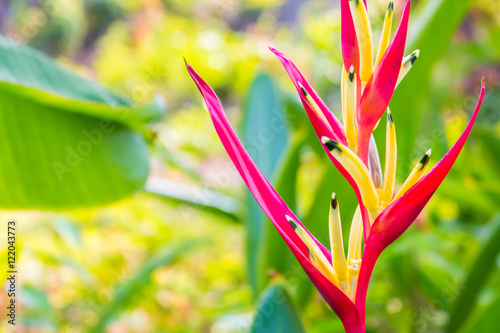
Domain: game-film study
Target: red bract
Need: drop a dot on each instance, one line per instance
(273, 205)
(382, 216)
(379, 89)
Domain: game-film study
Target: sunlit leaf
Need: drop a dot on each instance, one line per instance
(191, 195)
(30, 74)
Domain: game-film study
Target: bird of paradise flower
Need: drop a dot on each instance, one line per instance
(367, 84)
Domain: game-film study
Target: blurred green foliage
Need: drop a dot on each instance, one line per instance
(73, 265)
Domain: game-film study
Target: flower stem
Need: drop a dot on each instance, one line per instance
(370, 256)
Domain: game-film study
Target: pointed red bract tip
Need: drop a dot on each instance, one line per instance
(274, 207)
(336, 128)
(348, 37)
(396, 218)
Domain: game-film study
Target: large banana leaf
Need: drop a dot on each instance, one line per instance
(30, 74)
(65, 141)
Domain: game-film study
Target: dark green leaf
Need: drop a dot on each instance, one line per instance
(476, 278)
(276, 312)
(487, 321)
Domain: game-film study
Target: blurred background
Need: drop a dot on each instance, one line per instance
(191, 251)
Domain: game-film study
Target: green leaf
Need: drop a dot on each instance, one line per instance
(276, 312)
(490, 151)
(56, 160)
(38, 312)
(265, 138)
(299, 122)
(35, 299)
(38, 323)
(65, 141)
(124, 294)
(68, 231)
(30, 74)
(487, 321)
(173, 161)
(476, 201)
(430, 32)
(275, 254)
(476, 279)
(195, 196)
(435, 274)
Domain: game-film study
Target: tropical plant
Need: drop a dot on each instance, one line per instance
(368, 84)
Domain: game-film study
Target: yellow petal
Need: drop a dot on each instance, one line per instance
(365, 42)
(415, 175)
(337, 244)
(320, 261)
(407, 63)
(355, 237)
(391, 154)
(385, 38)
(358, 171)
(351, 127)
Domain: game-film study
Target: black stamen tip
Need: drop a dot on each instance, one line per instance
(186, 63)
(389, 118)
(332, 145)
(390, 8)
(304, 91)
(423, 162)
(292, 223)
(413, 59)
(351, 74)
(334, 203)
